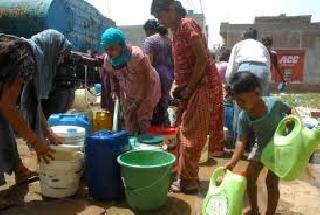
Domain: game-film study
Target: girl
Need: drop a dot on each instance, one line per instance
(158, 47)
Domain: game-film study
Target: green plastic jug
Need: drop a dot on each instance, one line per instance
(289, 152)
(226, 198)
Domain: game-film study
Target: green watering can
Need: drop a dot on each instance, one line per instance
(226, 198)
(289, 152)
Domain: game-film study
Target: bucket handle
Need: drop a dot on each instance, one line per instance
(148, 186)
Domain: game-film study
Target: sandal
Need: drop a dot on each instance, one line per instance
(249, 211)
(176, 187)
(26, 176)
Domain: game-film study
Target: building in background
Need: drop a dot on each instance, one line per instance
(78, 20)
(136, 35)
(201, 20)
(295, 38)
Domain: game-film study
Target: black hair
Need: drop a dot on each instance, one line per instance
(154, 26)
(163, 31)
(251, 33)
(242, 82)
(267, 41)
(160, 5)
(151, 25)
(225, 55)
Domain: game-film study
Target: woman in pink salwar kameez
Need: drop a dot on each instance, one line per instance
(133, 80)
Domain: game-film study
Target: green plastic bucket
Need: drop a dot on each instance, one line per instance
(146, 176)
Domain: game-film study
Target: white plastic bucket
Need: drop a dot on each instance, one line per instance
(70, 135)
(60, 178)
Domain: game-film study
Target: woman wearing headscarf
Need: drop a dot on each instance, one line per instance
(158, 48)
(199, 88)
(17, 67)
(50, 48)
(133, 79)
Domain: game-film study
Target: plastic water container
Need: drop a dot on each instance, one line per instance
(60, 178)
(289, 152)
(101, 120)
(205, 152)
(172, 115)
(225, 194)
(70, 135)
(97, 88)
(150, 142)
(168, 135)
(78, 119)
(225, 133)
(83, 98)
(146, 175)
(228, 114)
(102, 169)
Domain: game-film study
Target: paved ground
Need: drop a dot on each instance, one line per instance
(299, 197)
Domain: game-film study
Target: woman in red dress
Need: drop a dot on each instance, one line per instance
(198, 85)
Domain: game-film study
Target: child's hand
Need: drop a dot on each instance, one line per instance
(230, 166)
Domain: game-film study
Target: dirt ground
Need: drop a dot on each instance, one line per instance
(299, 197)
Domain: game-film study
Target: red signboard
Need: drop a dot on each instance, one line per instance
(291, 64)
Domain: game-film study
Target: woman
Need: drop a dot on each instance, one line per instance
(18, 65)
(133, 79)
(222, 65)
(198, 84)
(158, 47)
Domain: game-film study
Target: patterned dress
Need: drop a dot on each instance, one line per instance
(201, 115)
(139, 91)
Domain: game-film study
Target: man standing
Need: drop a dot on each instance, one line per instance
(252, 56)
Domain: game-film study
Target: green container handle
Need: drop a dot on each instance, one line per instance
(280, 137)
(216, 174)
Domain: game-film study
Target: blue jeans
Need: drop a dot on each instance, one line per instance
(261, 71)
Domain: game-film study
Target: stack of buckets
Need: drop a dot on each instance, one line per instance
(146, 177)
(110, 166)
(60, 178)
(146, 173)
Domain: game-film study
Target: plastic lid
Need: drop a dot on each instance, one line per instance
(149, 139)
(66, 147)
(68, 131)
(162, 131)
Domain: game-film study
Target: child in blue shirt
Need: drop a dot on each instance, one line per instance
(261, 115)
